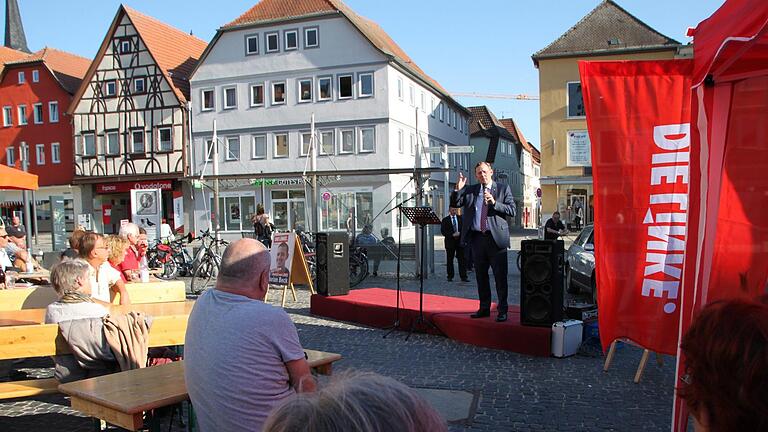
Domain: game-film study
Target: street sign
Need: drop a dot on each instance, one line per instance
(433, 150)
(326, 196)
(461, 149)
(538, 192)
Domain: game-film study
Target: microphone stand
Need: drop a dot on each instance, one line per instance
(395, 325)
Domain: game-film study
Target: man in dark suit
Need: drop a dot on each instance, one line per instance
(451, 230)
(486, 206)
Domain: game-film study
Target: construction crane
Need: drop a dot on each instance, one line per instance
(495, 96)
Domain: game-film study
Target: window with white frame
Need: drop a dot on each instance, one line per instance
(305, 90)
(367, 139)
(259, 150)
(306, 142)
(207, 100)
(55, 153)
(22, 77)
(53, 112)
(278, 93)
(7, 116)
(461, 124)
(411, 95)
(575, 100)
(272, 41)
(366, 85)
(110, 88)
(347, 141)
(137, 141)
(113, 143)
(35, 76)
(336, 210)
(251, 44)
(22, 115)
(165, 139)
(125, 46)
(89, 144)
(325, 88)
(40, 154)
(139, 85)
(232, 151)
(281, 145)
(209, 149)
(399, 88)
(440, 111)
(311, 39)
(345, 86)
(400, 140)
(257, 95)
(37, 113)
(423, 102)
(291, 40)
(235, 208)
(230, 97)
(453, 118)
(327, 139)
(10, 156)
(413, 145)
(432, 107)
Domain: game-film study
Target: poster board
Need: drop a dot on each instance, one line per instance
(146, 211)
(288, 264)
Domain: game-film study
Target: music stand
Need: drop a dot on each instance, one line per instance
(421, 216)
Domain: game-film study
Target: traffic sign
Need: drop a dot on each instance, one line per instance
(433, 150)
(461, 149)
(326, 196)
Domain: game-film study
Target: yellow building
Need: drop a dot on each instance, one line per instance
(607, 33)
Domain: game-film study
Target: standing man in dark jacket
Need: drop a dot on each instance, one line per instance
(451, 230)
(486, 208)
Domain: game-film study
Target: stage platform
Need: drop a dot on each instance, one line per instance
(375, 307)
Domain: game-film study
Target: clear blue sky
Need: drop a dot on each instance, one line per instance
(481, 46)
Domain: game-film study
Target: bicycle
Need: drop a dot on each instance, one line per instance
(207, 263)
(358, 265)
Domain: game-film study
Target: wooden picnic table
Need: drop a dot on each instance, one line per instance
(122, 398)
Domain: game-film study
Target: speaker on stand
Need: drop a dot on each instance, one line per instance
(332, 255)
(541, 286)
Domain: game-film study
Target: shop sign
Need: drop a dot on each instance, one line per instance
(293, 181)
(105, 188)
(579, 149)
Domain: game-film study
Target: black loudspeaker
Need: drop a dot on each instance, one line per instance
(541, 284)
(332, 254)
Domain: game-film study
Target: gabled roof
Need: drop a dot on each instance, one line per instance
(607, 28)
(484, 123)
(69, 69)
(511, 126)
(272, 11)
(174, 51)
(8, 55)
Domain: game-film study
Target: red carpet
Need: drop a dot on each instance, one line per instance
(375, 307)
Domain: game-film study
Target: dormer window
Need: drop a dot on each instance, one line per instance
(614, 41)
(310, 38)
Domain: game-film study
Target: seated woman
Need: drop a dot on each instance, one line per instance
(118, 247)
(357, 402)
(726, 363)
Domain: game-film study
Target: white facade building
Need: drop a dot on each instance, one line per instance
(262, 79)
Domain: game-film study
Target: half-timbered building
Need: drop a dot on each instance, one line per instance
(131, 117)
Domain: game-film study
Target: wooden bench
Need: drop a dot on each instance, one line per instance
(140, 293)
(122, 398)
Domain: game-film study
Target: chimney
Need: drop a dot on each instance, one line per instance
(14, 30)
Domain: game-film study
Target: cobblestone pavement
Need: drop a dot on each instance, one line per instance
(515, 392)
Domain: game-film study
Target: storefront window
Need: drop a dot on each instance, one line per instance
(344, 206)
(235, 212)
(575, 203)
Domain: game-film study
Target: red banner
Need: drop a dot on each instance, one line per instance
(638, 116)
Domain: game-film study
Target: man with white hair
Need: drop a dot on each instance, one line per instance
(242, 357)
(129, 268)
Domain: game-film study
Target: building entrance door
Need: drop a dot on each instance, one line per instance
(288, 209)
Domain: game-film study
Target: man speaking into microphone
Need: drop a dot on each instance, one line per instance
(484, 229)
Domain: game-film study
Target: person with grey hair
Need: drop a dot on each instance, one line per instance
(242, 356)
(130, 265)
(72, 282)
(357, 402)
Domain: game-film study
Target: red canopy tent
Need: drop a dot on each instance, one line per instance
(11, 178)
(726, 255)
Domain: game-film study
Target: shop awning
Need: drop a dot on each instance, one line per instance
(11, 178)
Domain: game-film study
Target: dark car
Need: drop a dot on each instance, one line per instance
(580, 264)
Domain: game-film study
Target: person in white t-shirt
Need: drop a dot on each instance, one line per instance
(166, 232)
(105, 280)
(5, 260)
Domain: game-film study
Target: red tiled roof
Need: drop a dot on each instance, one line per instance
(8, 55)
(69, 69)
(511, 126)
(176, 52)
(279, 10)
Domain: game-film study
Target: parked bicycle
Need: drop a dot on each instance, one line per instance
(358, 265)
(207, 262)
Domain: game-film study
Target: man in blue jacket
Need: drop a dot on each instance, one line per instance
(486, 206)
